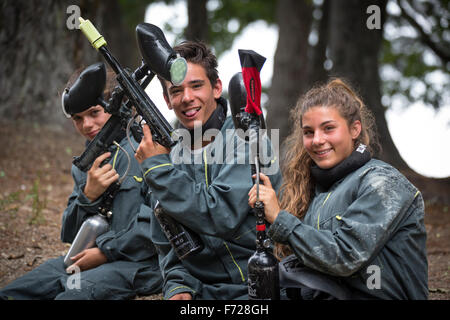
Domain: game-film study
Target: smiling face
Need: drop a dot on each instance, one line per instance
(327, 137)
(89, 122)
(195, 98)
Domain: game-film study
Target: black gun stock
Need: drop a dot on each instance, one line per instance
(99, 144)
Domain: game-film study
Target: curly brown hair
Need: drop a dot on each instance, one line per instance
(298, 186)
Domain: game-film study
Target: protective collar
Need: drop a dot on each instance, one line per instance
(327, 177)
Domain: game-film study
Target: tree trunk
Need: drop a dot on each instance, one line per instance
(39, 53)
(290, 62)
(121, 36)
(317, 54)
(197, 28)
(354, 50)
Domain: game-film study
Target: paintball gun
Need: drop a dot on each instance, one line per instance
(87, 91)
(158, 59)
(245, 90)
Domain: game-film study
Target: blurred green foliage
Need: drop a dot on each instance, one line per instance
(416, 46)
(231, 17)
(415, 53)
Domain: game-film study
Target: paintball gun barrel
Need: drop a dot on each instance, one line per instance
(158, 58)
(150, 39)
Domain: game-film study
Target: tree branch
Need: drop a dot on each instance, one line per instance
(424, 37)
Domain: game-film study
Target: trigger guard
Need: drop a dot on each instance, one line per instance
(105, 161)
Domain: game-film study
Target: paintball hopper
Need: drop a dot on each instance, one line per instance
(158, 55)
(238, 101)
(87, 90)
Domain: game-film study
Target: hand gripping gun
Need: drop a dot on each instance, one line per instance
(85, 92)
(245, 94)
(158, 59)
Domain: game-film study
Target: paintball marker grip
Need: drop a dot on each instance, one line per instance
(99, 144)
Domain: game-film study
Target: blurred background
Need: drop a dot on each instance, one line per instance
(395, 53)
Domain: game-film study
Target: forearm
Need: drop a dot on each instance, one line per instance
(214, 207)
(354, 237)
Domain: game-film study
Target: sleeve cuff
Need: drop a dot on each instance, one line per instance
(282, 227)
(84, 202)
(179, 289)
(155, 162)
(106, 245)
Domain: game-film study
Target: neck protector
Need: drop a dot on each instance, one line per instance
(327, 177)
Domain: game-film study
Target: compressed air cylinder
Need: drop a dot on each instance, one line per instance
(263, 278)
(263, 274)
(184, 241)
(85, 238)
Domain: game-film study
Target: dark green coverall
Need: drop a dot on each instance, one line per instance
(366, 232)
(132, 263)
(207, 191)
